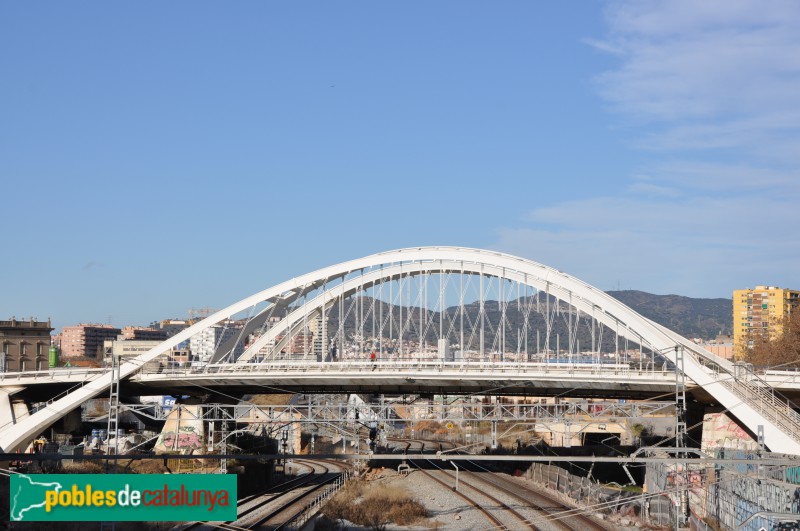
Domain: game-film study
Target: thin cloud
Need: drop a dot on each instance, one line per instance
(695, 220)
(720, 176)
(712, 91)
(712, 74)
(691, 257)
(604, 46)
(653, 190)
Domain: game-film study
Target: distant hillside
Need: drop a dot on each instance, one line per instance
(704, 318)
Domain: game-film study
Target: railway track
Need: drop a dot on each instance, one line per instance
(280, 505)
(547, 511)
(499, 514)
(550, 509)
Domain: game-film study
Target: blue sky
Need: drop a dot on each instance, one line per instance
(161, 156)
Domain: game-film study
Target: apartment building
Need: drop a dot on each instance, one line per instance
(204, 344)
(24, 345)
(761, 312)
(86, 340)
(136, 333)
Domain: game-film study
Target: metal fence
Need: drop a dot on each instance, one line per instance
(313, 508)
(597, 498)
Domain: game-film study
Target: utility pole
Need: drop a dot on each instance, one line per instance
(681, 475)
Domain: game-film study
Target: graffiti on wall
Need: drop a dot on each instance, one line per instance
(694, 478)
(736, 498)
(719, 431)
(183, 431)
(791, 474)
(186, 438)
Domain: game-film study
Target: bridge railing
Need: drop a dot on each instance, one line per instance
(753, 390)
(465, 367)
(760, 396)
(44, 405)
(52, 374)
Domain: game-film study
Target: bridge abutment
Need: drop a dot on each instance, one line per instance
(695, 412)
(11, 410)
(69, 423)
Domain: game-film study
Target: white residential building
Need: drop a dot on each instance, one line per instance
(204, 344)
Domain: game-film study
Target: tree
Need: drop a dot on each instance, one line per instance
(637, 430)
(780, 350)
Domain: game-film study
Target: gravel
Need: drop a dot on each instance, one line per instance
(448, 512)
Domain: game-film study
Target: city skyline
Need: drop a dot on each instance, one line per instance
(162, 157)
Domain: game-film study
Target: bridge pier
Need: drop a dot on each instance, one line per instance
(69, 423)
(695, 412)
(11, 411)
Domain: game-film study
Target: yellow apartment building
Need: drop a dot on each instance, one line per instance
(761, 312)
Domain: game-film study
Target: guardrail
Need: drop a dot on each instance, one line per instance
(316, 504)
(764, 401)
(411, 366)
(751, 388)
(52, 374)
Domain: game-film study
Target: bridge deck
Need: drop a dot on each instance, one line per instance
(532, 379)
(535, 379)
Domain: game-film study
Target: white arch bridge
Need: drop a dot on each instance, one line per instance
(430, 320)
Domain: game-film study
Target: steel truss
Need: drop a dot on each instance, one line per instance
(455, 411)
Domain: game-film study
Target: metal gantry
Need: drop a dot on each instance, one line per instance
(335, 414)
(114, 408)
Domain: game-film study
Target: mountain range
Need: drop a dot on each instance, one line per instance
(690, 317)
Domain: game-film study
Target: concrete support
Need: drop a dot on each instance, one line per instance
(183, 432)
(70, 423)
(694, 423)
(11, 411)
(20, 408)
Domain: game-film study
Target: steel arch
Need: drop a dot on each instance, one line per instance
(288, 326)
(781, 425)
